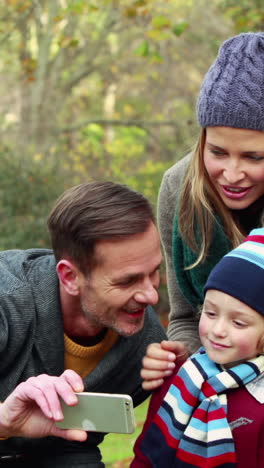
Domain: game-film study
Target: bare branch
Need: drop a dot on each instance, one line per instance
(85, 70)
(21, 18)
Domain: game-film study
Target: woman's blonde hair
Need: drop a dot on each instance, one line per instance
(199, 204)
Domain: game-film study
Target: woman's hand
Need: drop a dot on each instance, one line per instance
(159, 362)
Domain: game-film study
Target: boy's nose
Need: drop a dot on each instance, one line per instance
(220, 328)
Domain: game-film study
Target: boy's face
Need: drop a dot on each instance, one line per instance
(230, 330)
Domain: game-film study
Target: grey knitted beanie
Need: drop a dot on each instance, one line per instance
(232, 92)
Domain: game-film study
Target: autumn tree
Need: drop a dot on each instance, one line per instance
(98, 89)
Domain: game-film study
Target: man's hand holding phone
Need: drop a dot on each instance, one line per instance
(100, 412)
(34, 407)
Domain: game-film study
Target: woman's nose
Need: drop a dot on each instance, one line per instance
(233, 172)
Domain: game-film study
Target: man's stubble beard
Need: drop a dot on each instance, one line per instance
(100, 322)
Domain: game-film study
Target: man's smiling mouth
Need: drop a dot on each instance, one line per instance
(135, 312)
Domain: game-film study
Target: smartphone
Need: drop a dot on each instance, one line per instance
(100, 412)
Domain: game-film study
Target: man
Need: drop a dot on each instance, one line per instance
(83, 308)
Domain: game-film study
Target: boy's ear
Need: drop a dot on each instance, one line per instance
(261, 345)
(68, 275)
(199, 311)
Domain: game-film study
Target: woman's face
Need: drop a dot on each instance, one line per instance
(234, 160)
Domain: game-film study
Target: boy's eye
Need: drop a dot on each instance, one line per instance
(240, 324)
(209, 313)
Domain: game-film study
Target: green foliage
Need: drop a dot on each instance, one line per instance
(148, 179)
(180, 28)
(117, 449)
(27, 189)
(143, 49)
(245, 15)
(160, 22)
(95, 90)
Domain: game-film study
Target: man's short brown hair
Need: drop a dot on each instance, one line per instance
(94, 211)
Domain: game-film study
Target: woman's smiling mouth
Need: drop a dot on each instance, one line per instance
(236, 193)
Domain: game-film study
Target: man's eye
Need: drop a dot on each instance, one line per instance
(127, 282)
(156, 273)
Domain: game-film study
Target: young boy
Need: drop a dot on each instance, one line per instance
(210, 413)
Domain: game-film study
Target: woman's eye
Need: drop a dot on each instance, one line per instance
(217, 152)
(252, 157)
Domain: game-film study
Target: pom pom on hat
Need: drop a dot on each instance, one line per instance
(232, 92)
(240, 273)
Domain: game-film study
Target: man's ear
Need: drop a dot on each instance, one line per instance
(68, 275)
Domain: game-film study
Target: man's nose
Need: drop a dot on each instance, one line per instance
(147, 294)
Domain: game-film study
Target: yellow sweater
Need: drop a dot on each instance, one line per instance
(83, 359)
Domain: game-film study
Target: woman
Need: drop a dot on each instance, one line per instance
(212, 198)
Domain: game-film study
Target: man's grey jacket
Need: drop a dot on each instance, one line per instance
(32, 343)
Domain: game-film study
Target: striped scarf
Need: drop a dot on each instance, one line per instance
(191, 428)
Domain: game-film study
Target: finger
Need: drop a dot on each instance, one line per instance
(157, 364)
(60, 387)
(27, 392)
(177, 347)
(155, 375)
(69, 434)
(47, 390)
(182, 357)
(152, 384)
(52, 389)
(74, 380)
(156, 352)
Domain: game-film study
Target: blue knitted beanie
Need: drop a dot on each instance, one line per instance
(240, 273)
(232, 92)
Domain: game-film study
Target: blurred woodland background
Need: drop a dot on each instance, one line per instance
(100, 89)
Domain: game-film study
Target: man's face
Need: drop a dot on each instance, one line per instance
(124, 282)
